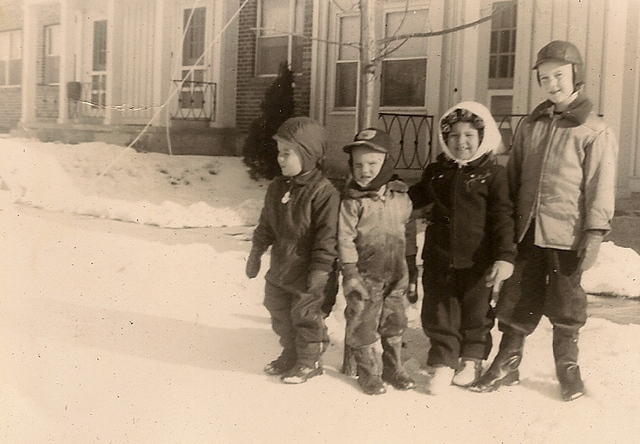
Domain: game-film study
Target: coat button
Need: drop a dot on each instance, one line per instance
(472, 175)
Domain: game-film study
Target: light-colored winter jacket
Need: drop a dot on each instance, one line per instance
(371, 231)
(562, 171)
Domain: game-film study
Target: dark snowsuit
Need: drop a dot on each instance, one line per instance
(302, 236)
(471, 226)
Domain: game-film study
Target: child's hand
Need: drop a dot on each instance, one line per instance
(352, 281)
(253, 265)
(412, 289)
(589, 247)
(355, 285)
(500, 272)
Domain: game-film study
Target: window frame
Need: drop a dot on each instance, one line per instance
(411, 108)
(290, 36)
(496, 82)
(335, 107)
(10, 33)
(47, 55)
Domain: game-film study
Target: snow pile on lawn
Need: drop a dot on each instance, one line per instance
(615, 273)
(146, 188)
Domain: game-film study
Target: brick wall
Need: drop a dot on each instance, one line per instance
(250, 89)
(10, 102)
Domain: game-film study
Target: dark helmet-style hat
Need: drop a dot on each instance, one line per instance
(562, 51)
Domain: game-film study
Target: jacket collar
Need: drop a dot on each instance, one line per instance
(303, 178)
(450, 163)
(397, 186)
(577, 112)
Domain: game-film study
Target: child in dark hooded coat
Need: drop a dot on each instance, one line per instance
(299, 221)
(469, 243)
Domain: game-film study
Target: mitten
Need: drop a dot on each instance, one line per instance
(412, 289)
(352, 281)
(500, 272)
(253, 264)
(589, 247)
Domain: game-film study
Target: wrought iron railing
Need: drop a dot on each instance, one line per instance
(508, 125)
(415, 134)
(196, 100)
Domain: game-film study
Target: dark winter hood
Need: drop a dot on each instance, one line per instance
(309, 137)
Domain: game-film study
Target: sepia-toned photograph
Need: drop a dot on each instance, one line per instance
(320, 221)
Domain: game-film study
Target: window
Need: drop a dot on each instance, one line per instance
(10, 58)
(51, 54)
(404, 70)
(99, 75)
(502, 52)
(193, 44)
(347, 63)
(281, 25)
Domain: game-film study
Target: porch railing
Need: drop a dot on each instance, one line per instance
(416, 136)
(414, 133)
(196, 100)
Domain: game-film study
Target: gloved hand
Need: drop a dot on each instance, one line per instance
(317, 280)
(253, 264)
(352, 281)
(589, 247)
(500, 272)
(412, 289)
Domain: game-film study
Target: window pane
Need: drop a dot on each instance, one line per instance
(493, 68)
(15, 72)
(298, 25)
(346, 84)
(296, 54)
(274, 17)
(52, 41)
(349, 33)
(193, 45)
(403, 82)
(407, 23)
(513, 41)
(501, 105)
(4, 45)
(100, 45)
(505, 41)
(503, 66)
(272, 51)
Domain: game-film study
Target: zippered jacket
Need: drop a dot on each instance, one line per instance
(372, 231)
(562, 174)
(299, 221)
(471, 220)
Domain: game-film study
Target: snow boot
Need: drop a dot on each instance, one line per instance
(441, 380)
(565, 353)
(369, 370)
(349, 366)
(392, 370)
(504, 368)
(281, 364)
(468, 372)
(301, 373)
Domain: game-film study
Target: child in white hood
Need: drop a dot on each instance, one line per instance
(468, 244)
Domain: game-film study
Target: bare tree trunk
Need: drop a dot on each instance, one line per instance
(365, 112)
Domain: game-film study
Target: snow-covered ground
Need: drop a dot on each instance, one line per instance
(130, 333)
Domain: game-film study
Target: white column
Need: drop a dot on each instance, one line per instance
(29, 56)
(67, 27)
(161, 80)
(115, 63)
(225, 63)
(468, 51)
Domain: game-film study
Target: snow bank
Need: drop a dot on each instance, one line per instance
(615, 273)
(113, 182)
